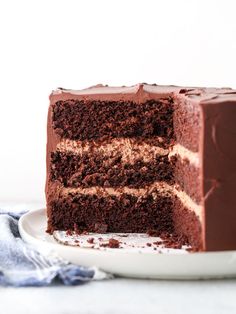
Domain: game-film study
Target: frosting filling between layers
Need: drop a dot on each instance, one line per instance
(129, 149)
(185, 153)
(157, 187)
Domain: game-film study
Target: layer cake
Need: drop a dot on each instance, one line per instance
(145, 158)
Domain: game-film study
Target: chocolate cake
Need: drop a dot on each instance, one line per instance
(145, 158)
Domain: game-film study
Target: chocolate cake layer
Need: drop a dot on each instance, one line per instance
(187, 123)
(85, 120)
(187, 176)
(187, 225)
(97, 170)
(127, 213)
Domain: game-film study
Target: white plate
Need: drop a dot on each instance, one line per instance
(140, 261)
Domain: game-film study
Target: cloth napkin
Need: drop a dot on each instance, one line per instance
(22, 265)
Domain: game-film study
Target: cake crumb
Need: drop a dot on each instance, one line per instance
(149, 244)
(113, 244)
(69, 232)
(90, 240)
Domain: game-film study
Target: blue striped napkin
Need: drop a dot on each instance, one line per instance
(22, 265)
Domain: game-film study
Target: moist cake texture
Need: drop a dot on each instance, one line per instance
(145, 158)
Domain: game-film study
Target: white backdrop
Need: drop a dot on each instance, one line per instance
(74, 44)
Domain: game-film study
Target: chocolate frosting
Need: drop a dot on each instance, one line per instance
(219, 172)
(142, 92)
(217, 147)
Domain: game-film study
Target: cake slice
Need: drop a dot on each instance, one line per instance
(145, 158)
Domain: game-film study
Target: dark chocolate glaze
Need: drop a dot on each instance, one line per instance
(217, 148)
(219, 172)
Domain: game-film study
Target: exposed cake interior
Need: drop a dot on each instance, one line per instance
(122, 166)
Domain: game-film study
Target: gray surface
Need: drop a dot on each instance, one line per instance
(124, 296)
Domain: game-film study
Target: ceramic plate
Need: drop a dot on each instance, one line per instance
(138, 255)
